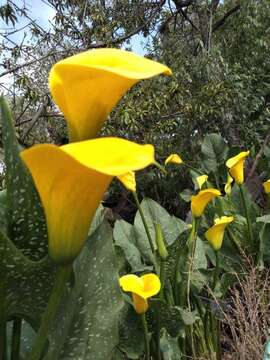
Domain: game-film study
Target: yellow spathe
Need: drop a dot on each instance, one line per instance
(236, 166)
(201, 180)
(128, 180)
(216, 233)
(266, 186)
(173, 158)
(200, 201)
(141, 288)
(88, 85)
(71, 181)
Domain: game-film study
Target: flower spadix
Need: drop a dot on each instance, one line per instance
(71, 181)
(236, 166)
(201, 200)
(141, 289)
(174, 159)
(215, 233)
(88, 85)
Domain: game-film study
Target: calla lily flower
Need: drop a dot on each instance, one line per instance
(88, 85)
(71, 181)
(228, 185)
(266, 186)
(201, 200)
(236, 166)
(174, 158)
(216, 233)
(128, 180)
(141, 288)
(201, 180)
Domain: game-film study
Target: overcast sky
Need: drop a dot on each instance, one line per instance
(43, 13)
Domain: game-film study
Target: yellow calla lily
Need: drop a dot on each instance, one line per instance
(88, 85)
(200, 201)
(71, 181)
(128, 180)
(173, 158)
(228, 185)
(266, 186)
(216, 233)
(236, 166)
(141, 288)
(201, 180)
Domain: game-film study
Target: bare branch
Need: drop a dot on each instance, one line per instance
(221, 21)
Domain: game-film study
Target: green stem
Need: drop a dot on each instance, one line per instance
(250, 233)
(216, 270)
(16, 339)
(192, 240)
(162, 276)
(144, 222)
(62, 276)
(193, 168)
(145, 331)
(160, 167)
(3, 338)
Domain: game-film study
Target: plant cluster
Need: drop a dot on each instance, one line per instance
(156, 289)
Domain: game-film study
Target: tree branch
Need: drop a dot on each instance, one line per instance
(134, 32)
(221, 21)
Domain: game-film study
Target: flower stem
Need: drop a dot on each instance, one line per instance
(62, 276)
(3, 338)
(250, 233)
(216, 270)
(145, 331)
(16, 339)
(144, 222)
(192, 240)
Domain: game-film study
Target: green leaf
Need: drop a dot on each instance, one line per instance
(214, 151)
(25, 285)
(25, 215)
(86, 324)
(124, 236)
(200, 260)
(169, 347)
(131, 333)
(154, 213)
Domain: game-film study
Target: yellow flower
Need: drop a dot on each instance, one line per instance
(266, 186)
(216, 233)
(236, 166)
(173, 158)
(88, 85)
(228, 185)
(71, 181)
(201, 180)
(141, 288)
(128, 180)
(200, 201)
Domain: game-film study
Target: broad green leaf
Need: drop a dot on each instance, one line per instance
(124, 236)
(154, 213)
(26, 220)
(214, 151)
(86, 325)
(25, 285)
(131, 333)
(169, 347)
(200, 260)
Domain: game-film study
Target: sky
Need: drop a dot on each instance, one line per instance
(43, 13)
